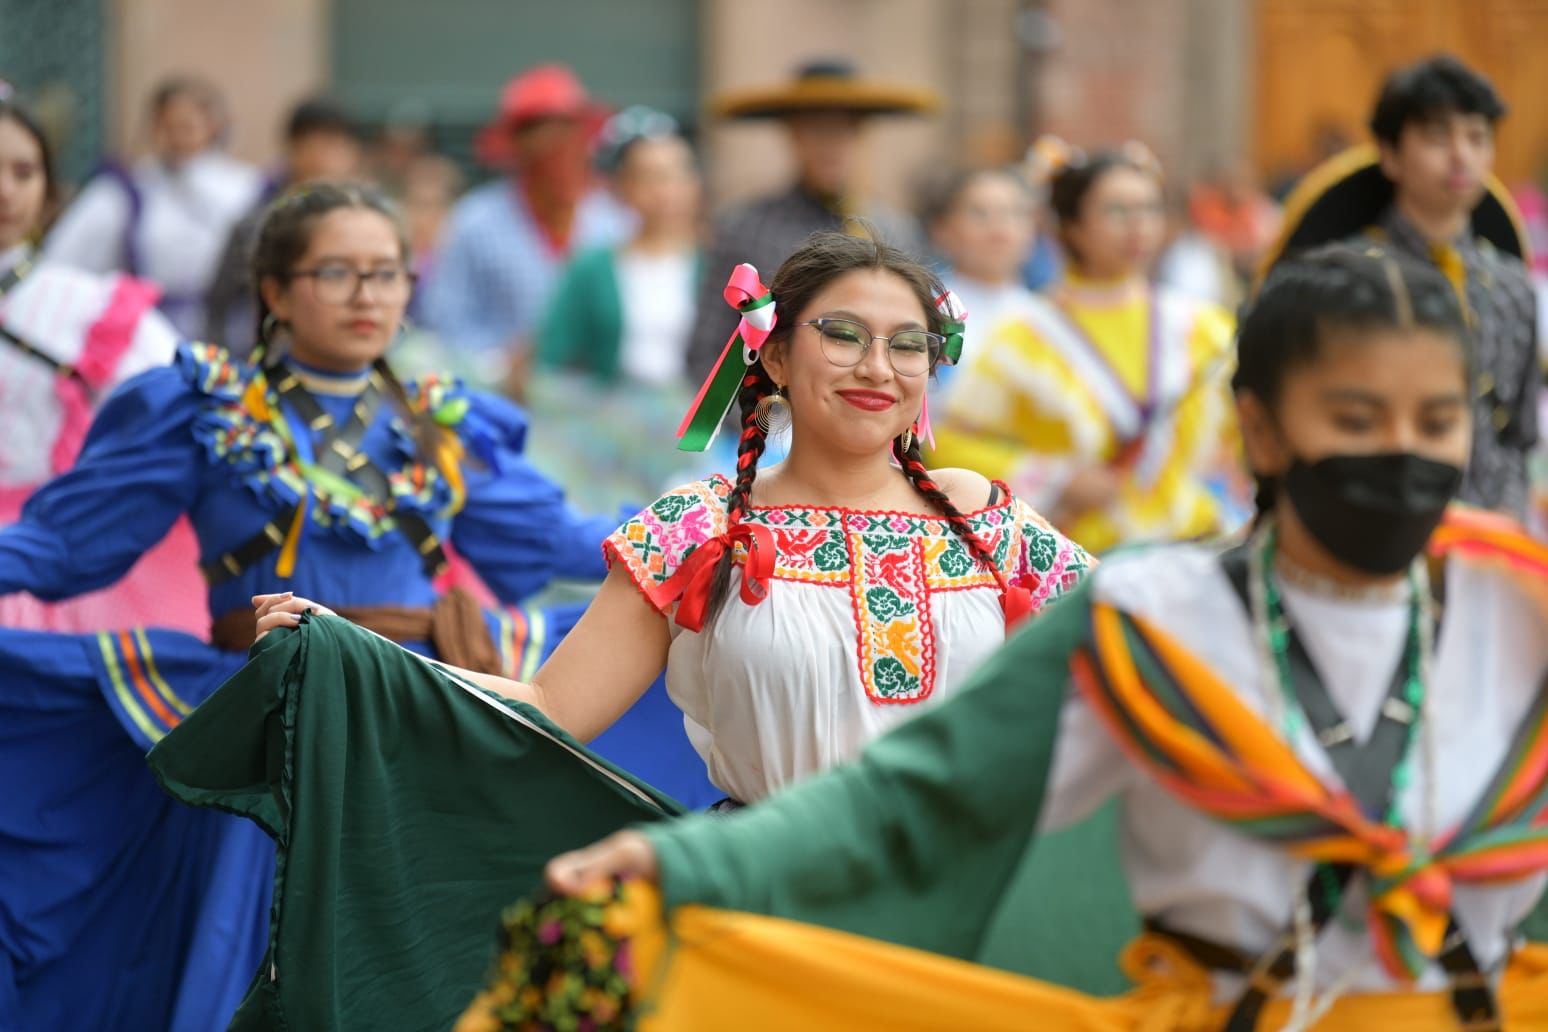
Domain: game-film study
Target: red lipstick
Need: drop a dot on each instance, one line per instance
(870, 401)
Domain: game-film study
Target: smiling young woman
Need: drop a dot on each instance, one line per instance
(867, 584)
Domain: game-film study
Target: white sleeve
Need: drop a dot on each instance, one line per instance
(1088, 767)
(90, 233)
(154, 345)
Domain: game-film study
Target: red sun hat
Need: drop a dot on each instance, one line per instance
(541, 92)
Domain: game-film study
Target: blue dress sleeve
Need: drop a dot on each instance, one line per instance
(515, 526)
(138, 471)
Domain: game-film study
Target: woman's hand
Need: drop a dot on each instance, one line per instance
(624, 854)
(283, 610)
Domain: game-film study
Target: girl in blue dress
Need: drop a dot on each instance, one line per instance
(311, 469)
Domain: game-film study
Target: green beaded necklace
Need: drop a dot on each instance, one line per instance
(1277, 633)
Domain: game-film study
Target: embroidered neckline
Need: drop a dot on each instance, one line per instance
(892, 565)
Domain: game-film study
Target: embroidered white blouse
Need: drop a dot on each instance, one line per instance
(869, 616)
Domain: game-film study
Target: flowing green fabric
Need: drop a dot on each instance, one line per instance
(408, 808)
(924, 841)
(929, 839)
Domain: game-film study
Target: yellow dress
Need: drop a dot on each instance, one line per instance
(1117, 374)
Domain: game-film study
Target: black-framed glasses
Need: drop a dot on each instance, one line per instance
(846, 342)
(337, 284)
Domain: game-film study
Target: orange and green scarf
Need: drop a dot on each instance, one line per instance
(1178, 721)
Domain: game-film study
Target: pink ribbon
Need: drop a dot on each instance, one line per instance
(107, 341)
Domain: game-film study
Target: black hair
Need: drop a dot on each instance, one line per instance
(320, 115)
(941, 198)
(1359, 287)
(824, 257)
(283, 237)
(1069, 186)
(201, 91)
(1436, 86)
(1068, 189)
(10, 111)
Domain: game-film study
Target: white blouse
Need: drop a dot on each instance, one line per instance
(657, 293)
(1207, 879)
(869, 616)
(63, 313)
(186, 217)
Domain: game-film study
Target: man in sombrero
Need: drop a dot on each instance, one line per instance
(1427, 189)
(822, 111)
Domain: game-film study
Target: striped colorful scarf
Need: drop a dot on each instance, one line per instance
(1190, 731)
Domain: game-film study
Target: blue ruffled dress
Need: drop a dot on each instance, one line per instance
(118, 907)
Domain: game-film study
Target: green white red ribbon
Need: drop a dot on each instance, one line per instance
(746, 293)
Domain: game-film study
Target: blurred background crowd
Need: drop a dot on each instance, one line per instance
(650, 145)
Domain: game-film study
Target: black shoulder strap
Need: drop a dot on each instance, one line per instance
(1367, 773)
(1365, 769)
(338, 451)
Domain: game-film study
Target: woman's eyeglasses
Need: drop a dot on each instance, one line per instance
(845, 343)
(337, 284)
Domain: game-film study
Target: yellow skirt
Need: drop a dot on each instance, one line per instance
(709, 970)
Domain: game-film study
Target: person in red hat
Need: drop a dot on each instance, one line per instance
(506, 241)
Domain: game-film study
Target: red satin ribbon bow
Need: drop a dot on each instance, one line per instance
(695, 578)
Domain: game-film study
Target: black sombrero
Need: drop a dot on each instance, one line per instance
(1345, 195)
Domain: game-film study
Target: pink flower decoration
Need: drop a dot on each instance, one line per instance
(550, 933)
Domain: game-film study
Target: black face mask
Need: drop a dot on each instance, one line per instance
(1372, 512)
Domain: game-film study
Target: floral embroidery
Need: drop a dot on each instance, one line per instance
(243, 428)
(890, 562)
(891, 598)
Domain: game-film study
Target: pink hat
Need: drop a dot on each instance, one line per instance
(541, 92)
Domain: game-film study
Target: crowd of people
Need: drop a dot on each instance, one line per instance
(427, 542)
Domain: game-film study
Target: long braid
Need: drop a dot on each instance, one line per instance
(749, 449)
(919, 476)
(429, 436)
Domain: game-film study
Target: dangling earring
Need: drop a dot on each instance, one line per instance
(772, 413)
(268, 328)
(906, 439)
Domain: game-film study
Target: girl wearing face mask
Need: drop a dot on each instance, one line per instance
(313, 469)
(1333, 803)
(67, 338)
(1104, 401)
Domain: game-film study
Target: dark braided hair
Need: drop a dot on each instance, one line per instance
(1360, 287)
(284, 236)
(919, 476)
(819, 261)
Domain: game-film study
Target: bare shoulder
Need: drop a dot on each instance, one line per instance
(968, 490)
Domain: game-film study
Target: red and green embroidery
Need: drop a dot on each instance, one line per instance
(890, 563)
